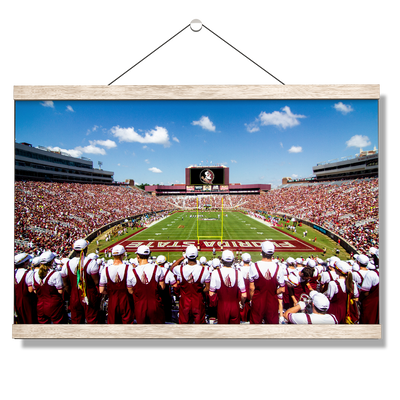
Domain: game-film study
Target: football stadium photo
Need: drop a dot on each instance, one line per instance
(196, 212)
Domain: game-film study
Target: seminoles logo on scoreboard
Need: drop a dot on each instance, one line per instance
(207, 176)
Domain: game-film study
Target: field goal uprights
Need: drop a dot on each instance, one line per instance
(222, 223)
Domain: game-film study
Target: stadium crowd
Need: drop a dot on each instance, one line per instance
(209, 201)
(348, 208)
(50, 216)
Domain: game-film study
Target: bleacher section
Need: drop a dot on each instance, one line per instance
(53, 215)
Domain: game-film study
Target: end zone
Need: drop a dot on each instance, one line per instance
(281, 245)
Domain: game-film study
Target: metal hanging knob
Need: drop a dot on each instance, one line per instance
(196, 25)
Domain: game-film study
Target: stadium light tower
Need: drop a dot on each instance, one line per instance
(100, 163)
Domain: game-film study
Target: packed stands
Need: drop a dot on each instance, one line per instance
(211, 201)
(53, 215)
(347, 208)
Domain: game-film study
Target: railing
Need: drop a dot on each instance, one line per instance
(346, 158)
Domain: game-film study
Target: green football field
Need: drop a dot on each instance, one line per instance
(240, 232)
(233, 225)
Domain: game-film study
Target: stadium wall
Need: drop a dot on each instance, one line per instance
(343, 243)
(183, 190)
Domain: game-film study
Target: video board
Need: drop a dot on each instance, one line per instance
(207, 176)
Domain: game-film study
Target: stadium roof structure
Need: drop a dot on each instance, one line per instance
(363, 165)
(41, 164)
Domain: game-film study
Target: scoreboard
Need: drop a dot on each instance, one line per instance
(207, 176)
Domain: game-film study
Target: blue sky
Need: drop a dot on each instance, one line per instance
(261, 141)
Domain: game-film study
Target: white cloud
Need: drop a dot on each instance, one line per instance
(89, 131)
(69, 108)
(233, 161)
(147, 161)
(295, 149)
(358, 141)
(48, 104)
(252, 127)
(281, 144)
(109, 144)
(205, 123)
(159, 135)
(343, 108)
(155, 170)
(175, 139)
(91, 149)
(72, 153)
(284, 118)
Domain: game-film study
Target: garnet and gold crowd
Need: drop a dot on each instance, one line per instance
(52, 219)
(51, 216)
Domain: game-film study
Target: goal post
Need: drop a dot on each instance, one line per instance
(197, 215)
(222, 223)
(222, 218)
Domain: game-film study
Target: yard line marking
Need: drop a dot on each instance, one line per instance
(287, 242)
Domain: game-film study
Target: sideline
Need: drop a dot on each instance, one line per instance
(155, 222)
(260, 220)
(308, 245)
